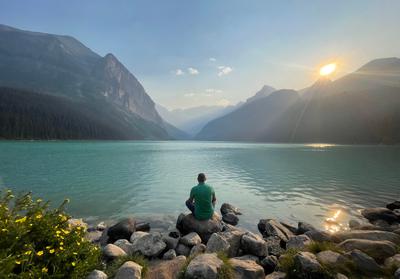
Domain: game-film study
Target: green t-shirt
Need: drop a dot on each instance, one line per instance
(203, 194)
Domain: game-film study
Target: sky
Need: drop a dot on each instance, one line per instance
(217, 52)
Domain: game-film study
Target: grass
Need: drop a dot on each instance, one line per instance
(226, 270)
(315, 247)
(181, 274)
(112, 268)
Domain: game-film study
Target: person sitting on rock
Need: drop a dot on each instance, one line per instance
(202, 199)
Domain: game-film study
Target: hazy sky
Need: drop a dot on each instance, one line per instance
(189, 53)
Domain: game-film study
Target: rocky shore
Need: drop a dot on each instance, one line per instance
(218, 249)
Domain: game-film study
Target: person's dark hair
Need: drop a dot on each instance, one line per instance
(201, 177)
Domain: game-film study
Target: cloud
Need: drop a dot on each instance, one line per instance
(179, 72)
(193, 71)
(189, 95)
(224, 70)
(224, 102)
(214, 91)
(212, 59)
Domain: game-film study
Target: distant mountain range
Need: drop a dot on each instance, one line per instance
(362, 107)
(66, 72)
(54, 87)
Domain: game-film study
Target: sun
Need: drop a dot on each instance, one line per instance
(327, 69)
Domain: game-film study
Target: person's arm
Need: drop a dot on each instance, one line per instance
(214, 200)
(191, 197)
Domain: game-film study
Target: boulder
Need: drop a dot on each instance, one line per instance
(190, 239)
(124, 245)
(304, 227)
(269, 264)
(182, 250)
(228, 208)
(319, 236)
(129, 270)
(204, 266)
(172, 239)
(330, 258)
(143, 227)
(217, 243)
(97, 274)
(291, 228)
(169, 255)
(393, 205)
(307, 265)
(101, 226)
(298, 242)
(253, 244)
(353, 224)
(249, 258)
(137, 235)
(276, 275)
(340, 276)
(379, 213)
(111, 251)
(246, 269)
(122, 230)
(393, 261)
(364, 263)
(369, 235)
(228, 242)
(94, 236)
(275, 245)
(271, 227)
(397, 274)
(165, 269)
(149, 244)
(205, 228)
(379, 250)
(230, 218)
(198, 249)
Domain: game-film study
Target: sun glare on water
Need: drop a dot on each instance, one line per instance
(327, 69)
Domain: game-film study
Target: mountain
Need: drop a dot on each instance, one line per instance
(263, 92)
(62, 66)
(361, 107)
(192, 120)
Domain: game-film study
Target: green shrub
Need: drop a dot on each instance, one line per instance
(226, 270)
(181, 274)
(315, 247)
(38, 242)
(112, 268)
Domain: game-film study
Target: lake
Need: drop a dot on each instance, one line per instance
(106, 180)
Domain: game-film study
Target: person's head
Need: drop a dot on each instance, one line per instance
(201, 178)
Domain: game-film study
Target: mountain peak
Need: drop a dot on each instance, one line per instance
(263, 92)
(389, 64)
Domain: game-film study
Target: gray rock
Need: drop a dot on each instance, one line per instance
(397, 274)
(205, 228)
(379, 213)
(198, 249)
(111, 251)
(271, 227)
(253, 244)
(230, 218)
(319, 236)
(190, 239)
(393, 205)
(183, 250)
(97, 274)
(124, 245)
(137, 235)
(204, 266)
(354, 224)
(94, 236)
(306, 263)
(393, 261)
(165, 269)
(330, 258)
(217, 243)
(379, 250)
(249, 258)
(246, 269)
(149, 244)
(169, 255)
(364, 263)
(228, 208)
(340, 276)
(74, 222)
(129, 270)
(170, 241)
(269, 264)
(304, 227)
(369, 235)
(276, 275)
(275, 245)
(122, 230)
(291, 228)
(298, 242)
(101, 226)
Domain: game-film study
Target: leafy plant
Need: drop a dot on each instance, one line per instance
(226, 270)
(38, 242)
(316, 247)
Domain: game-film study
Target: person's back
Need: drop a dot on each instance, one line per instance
(202, 200)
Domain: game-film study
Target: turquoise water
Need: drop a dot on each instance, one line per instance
(151, 180)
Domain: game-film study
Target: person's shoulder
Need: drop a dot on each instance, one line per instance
(209, 186)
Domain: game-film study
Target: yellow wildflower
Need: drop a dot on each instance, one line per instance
(48, 247)
(51, 251)
(73, 264)
(78, 243)
(39, 216)
(44, 270)
(58, 232)
(65, 231)
(12, 196)
(4, 230)
(21, 220)
(40, 253)
(61, 243)
(61, 248)
(18, 262)
(28, 252)
(39, 200)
